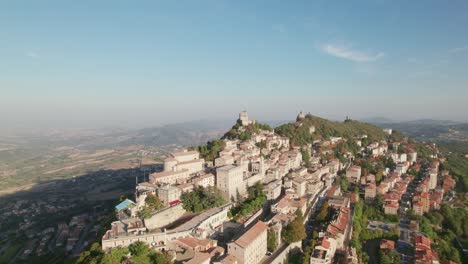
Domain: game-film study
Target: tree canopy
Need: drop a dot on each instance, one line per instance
(295, 230)
(201, 199)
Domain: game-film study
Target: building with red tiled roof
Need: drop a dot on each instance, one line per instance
(324, 251)
(384, 243)
(391, 208)
(251, 247)
(339, 226)
(423, 253)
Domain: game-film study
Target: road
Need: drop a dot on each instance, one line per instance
(405, 242)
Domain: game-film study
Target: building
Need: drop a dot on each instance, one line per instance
(185, 159)
(391, 208)
(353, 174)
(244, 119)
(205, 180)
(370, 192)
(388, 131)
(170, 177)
(384, 244)
(273, 190)
(324, 251)
(299, 185)
(432, 179)
(168, 194)
(230, 180)
(423, 253)
(251, 247)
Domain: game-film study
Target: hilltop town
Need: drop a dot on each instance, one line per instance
(305, 192)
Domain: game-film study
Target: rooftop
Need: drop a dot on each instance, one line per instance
(251, 234)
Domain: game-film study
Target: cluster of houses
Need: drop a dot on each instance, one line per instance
(266, 158)
(429, 193)
(269, 159)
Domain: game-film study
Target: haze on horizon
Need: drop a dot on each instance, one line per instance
(121, 63)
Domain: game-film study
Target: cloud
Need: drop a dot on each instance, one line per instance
(459, 49)
(32, 54)
(349, 54)
(279, 28)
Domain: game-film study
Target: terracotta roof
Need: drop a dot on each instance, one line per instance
(251, 234)
(384, 243)
(323, 242)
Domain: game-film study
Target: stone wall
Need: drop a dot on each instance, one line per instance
(282, 257)
(165, 217)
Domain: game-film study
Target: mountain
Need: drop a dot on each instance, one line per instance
(182, 134)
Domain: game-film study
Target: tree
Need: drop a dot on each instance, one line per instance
(160, 258)
(202, 198)
(295, 230)
(272, 240)
(93, 255)
(305, 157)
(343, 182)
(153, 202)
(145, 213)
(139, 248)
(323, 214)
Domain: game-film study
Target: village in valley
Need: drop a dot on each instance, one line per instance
(294, 194)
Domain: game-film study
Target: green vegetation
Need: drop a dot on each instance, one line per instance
(443, 227)
(325, 213)
(362, 234)
(375, 211)
(389, 256)
(255, 200)
(137, 253)
(343, 182)
(10, 252)
(245, 132)
(201, 199)
(272, 240)
(458, 165)
(295, 230)
(210, 150)
(299, 132)
(153, 202)
(309, 248)
(305, 157)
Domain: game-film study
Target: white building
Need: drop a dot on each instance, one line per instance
(251, 247)
(230, 180)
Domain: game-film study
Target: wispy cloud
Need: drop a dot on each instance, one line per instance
(279, 28)
(459, 49)
(32, 54)
(350, 54)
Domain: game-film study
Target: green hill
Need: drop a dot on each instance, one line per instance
(299, 133)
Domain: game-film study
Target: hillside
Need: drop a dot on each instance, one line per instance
(428, 129)
(299, 133)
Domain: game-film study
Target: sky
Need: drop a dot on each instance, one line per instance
(144, 63)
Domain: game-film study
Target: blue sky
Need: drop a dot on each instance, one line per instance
(71, 63)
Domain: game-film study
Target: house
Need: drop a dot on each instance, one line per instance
(391, 208)
(384, 244)
(353, 174)
(370, 192)
(324, 251)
